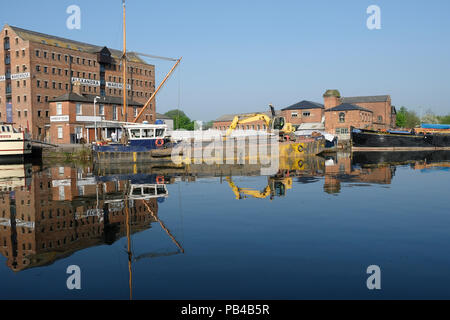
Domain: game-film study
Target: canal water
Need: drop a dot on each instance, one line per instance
(225, 232)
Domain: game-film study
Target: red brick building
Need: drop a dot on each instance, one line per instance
(304, 112)
(73, 120)
(36, 68)
(366, 112)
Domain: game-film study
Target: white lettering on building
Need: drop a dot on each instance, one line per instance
(19, 76)
(88, 82)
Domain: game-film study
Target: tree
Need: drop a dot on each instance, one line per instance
(407, 119)
(180, 120)
(444, 119)
(430, 117)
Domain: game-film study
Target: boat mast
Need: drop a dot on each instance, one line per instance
(124, 64)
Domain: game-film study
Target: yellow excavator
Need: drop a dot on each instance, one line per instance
(285, 129)
(276, 188)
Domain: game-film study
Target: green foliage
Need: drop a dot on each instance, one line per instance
(180, 120)
(444, 119)
(407, 118)
(208, 125)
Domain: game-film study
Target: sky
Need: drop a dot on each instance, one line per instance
(240, 56)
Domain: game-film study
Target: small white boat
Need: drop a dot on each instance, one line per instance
(14, 143)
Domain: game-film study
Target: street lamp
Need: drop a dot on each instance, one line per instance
(95, 116)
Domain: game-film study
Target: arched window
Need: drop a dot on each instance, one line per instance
(342, 117)
(380, 119)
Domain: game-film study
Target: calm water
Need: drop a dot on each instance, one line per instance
(310, 232)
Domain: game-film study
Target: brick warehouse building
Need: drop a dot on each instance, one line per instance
(36, 68)
(335, 116)
(366, 112)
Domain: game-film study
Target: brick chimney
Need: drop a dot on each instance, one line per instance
(332, 98)
(77, 88)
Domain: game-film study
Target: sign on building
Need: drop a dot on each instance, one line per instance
(59, 118)
(20, 76)
(88, 82)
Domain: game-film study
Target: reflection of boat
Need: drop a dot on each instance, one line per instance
(147, 191)
(368, 140)
(380, 158)
(13, 143)
(14, 175)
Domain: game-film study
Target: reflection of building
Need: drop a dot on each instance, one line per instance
(340, 169)
(56, 217)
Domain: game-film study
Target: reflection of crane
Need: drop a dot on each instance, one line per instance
(272, 123)
(276, 188)
(146, 255)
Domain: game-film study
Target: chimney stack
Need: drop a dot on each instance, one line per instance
(332, 98)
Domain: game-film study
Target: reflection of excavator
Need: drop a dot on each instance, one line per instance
(275, 188)
(285, 129)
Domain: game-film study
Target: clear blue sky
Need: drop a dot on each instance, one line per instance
(242, 55)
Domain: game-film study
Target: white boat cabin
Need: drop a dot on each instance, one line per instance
(146, 131)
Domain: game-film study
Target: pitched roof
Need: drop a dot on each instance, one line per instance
(365, 99)
(305, 104)
(55, 41)
(89, 98)
(348, 107)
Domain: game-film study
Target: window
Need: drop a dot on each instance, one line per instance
(59, 109)
(306, 114)
(135, 133)
(79, 109)
(342, 131)
(342, 117)
(39, 113)
(115, 113)
(380, 119)
(101, 109)
(38, 54)
(60, 132)
(147, 133)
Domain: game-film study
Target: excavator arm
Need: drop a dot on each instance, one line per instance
(246, 119)
(238, 192)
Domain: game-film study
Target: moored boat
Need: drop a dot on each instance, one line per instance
(141, 143)
(13, 144)
(393, 140)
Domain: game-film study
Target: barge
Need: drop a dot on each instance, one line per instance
(420, 139)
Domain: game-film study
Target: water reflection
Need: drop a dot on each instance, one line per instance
(48, 214)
